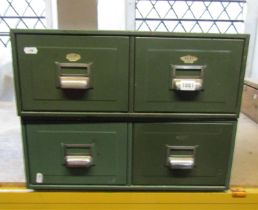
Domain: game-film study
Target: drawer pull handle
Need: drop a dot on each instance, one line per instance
(75, 161)
(187, 77)
(74, 82)
(73, 76)
(78, 155)
(181, 162)
(181, 157)
(188, 84)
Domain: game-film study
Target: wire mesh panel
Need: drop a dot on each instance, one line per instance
(20, 14)
(205, 16)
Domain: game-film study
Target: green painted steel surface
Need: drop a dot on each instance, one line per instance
(38, 59)
(139, 60)
(221, 58)
(46, 142)
(130, 115)
(213, 144)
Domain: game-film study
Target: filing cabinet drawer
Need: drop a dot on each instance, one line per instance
(76, 154)
(73, 72)
(183, 154)
(188, 74)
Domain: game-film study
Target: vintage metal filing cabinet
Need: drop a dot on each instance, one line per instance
(128, 110)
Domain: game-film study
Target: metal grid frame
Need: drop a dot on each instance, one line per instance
(148, 15)
(11, 17)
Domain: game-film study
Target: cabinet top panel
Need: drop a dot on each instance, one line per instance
(129, 33)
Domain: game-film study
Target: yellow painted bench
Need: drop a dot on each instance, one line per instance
(16, 198)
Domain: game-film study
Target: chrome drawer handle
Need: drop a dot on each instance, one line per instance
(187, 84)
(186, 81)
(75, 161)
(74, 82)
(78, 155)
(181, 157)
(181, 162)
(73, 75)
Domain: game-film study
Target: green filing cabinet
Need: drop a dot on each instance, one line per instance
(109, 110)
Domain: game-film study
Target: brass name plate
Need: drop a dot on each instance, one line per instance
(72, 57)
(190, 59)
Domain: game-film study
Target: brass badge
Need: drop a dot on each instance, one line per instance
(72, 57)
(189, 59)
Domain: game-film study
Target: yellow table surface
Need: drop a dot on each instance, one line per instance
(235, 199)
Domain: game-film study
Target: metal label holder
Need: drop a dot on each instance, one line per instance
(183, 161)
(73, 80)
(187, 83)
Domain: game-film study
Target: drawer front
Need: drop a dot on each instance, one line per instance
(66, 153)
(73, 73)
(188, 74)
(182, 154)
